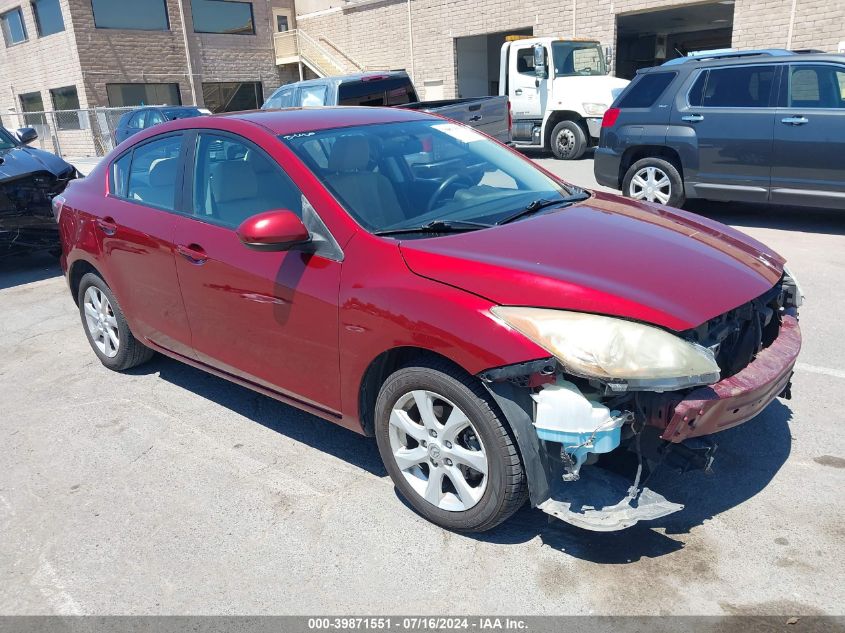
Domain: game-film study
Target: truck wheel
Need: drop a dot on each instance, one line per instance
(569, 142)
(106, 327)
(654, 180)
(446, 448)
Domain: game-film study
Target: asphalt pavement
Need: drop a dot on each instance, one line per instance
(168, 491)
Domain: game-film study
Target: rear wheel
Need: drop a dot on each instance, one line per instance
(654, 180)
(106, 327)
(569, 141)
(446, 448)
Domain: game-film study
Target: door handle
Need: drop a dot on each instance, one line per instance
(692, 118)
(193, 253)
(518, 91)
(477, 117)
(795, 120)
(107, 225)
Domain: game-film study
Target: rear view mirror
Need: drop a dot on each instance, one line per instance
(27, 134)
(540, 61)
(273, 231)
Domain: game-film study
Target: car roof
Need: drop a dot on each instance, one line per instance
(296, 120)
(763, 57)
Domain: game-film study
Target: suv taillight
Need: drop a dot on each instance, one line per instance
(610, 116)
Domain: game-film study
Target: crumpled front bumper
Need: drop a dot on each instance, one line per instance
(734, 400)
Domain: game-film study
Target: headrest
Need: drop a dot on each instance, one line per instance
(233, 180)
(163, 172)
(350, 153)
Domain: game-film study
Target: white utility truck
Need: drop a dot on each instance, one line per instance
(558, 90)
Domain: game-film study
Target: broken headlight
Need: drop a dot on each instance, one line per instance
(624, 354)
(793, 295)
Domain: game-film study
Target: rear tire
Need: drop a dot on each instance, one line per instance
(106, 327)
(654, 180)
(444, 454)
(568, 140)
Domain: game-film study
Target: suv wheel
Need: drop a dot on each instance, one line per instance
(446, 449)
(569, 142)
(654, 180)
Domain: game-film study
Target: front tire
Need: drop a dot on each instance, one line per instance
(654, 180)
(106, 327)
(569, 141)
(446, 448)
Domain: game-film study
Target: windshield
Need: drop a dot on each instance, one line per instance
(402, 175)
(578, 58)
(6, 140)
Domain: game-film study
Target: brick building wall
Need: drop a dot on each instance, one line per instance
(435, 24)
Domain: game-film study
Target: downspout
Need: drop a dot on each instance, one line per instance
(791, 25)
(187, 52)
(411, 44)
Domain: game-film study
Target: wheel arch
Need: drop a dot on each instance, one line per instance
(380, 368)
(556, 117)
(76, 271)
(638, 152)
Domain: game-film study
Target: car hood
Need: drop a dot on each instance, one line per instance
(607, 255)
(20, 161)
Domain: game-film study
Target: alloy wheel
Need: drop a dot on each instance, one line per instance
(652, 184)
(101, 322)
(438, 450)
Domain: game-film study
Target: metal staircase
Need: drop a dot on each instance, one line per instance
(323, 57)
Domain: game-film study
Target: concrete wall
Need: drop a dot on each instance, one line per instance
(435, 24)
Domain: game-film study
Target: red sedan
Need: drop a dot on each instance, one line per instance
(497, 330)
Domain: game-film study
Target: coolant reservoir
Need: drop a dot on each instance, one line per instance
(582, 426)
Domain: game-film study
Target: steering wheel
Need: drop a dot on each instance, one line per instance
(435, 197)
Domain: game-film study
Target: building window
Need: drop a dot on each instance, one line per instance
(222, 16)
(14, 31)
(233, 96)
(139, 15)
(282, 24)
(48, 17)
(66, 99)
(32, 102)
(143, 94)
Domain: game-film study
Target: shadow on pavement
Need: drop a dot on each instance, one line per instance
(801, 219)
(18, 270)
(748, 458)
(303, 427)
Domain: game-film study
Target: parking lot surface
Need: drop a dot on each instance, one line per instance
(166, 490)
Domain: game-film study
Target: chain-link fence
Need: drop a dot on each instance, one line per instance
(71, 133)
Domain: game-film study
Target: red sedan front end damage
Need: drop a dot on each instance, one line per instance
(734, 400)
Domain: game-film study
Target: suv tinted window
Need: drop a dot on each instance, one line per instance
(817, 87)
(646, 90)
(739, 87)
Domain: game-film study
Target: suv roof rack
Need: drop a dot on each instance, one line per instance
(728, 54)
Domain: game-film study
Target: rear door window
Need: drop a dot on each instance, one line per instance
(739, 87)
(154, 171)
(312, 96)
(819, 86)
(646, 90)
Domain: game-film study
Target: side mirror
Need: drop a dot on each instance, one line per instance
(27, 134)
(540, 61)
(273, 231)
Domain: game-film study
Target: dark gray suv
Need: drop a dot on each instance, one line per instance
(752, 126)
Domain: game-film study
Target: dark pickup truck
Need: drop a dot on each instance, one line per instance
(490, 115)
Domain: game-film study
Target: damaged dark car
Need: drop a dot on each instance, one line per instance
(29, 180)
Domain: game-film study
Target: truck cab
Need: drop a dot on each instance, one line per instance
(559, 90)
